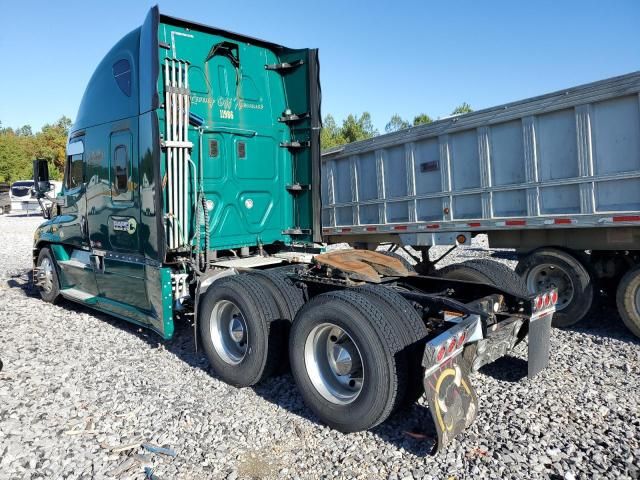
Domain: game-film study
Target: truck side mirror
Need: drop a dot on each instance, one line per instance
(41, 184)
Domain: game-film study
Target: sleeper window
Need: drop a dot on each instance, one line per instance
(122, 75)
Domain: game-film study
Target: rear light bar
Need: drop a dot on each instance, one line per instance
(545, 301)
(450, 344)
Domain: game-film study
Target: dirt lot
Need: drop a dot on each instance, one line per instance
(80, 391)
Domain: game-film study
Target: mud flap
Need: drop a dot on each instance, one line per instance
(452, 400)
(539, 344)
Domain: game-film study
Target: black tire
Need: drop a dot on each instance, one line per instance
(52, 294)
(628, 300)
(397, 256)
(413, 331)
(264, 350)
(577, 278)
(486, 271)
(377, 344)
(287, 296)
(289, 300)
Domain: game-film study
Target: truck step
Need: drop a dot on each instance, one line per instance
(285, 66)
(73, 263)
(78, 295)
(295, 145)
(297, 187)
(293, 117)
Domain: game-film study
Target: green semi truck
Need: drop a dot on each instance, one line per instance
(192, 186)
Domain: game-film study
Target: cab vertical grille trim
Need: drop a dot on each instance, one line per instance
(178, 149)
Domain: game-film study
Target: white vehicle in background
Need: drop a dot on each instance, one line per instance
(23, 197)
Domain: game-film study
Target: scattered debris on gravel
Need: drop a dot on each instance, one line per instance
(84, 395)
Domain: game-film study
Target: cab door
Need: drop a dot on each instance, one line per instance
(71, 227)
(73, 208)
(122, 275)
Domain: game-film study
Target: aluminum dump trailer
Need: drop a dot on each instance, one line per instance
(556, 177)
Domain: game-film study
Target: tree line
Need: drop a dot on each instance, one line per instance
(19, 146)
(360, 127)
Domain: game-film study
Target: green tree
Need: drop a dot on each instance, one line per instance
(51, 142)
(331, 134)
(24, 131)
(462, 109)
(356, 128)
(19, 147)
(396, 123)
(421, 119)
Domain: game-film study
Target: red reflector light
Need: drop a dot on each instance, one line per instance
(554, 297)
(441, 351)
(627, 218)
(461, 338)
(562, 221)
(513, 223)
(400, 227)
(539, 302)
(452, 345)
(547, 299)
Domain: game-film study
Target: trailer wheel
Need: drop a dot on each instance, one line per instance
(235, 327)
(550, 267)
(48, 276)
(411, 328)
(343, 352)
(628, 300)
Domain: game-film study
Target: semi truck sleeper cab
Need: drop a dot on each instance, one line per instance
(192, 184)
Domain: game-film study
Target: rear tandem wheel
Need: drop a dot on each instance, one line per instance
(343, 353)
(236, 330)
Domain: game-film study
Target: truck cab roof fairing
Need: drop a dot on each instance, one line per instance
(104, 99)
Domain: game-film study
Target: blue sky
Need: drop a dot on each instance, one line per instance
(383, 57)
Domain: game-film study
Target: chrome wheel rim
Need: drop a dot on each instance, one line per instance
(637, 300)
(46, 275)
(334, 363)
(229, 333)
(545, 276)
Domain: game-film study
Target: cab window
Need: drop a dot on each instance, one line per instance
(74, 167)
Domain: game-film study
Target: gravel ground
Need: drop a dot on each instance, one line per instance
(78, 385)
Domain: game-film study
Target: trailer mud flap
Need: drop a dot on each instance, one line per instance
(452, 400)
(539, 344)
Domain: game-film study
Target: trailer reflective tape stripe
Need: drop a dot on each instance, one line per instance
(474, 224)
(370, 229)
(627, 218)
(514, 223)
(560, 221)
(400, 227)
